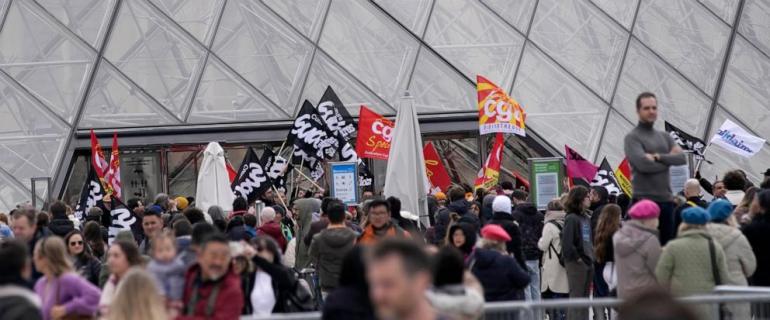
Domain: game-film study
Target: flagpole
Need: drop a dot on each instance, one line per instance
(700, 161)
(280, 198)
(310, 180)
(281, 149)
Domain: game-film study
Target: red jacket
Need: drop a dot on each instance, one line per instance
(229, 300)
(273, 229)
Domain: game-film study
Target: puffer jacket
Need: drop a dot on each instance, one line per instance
(637, 251)
(531, 225)
(327, 250)
(499, 275)
(741, 262)
(685, 264)
(553, 275)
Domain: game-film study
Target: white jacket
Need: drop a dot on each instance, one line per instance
(553, 276)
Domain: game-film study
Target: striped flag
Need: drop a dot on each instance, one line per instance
(623, 176)
(489, 175)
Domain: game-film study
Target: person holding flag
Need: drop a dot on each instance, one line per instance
(651, 153)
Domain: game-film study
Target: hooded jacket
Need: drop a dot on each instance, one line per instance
(470, 238)
(531, 224)
(637, 251)
(61, 226)
(510, 226)
(741, 262)
(327, 250)
(553, 275)
(229, 298)
(758, 235)
(273, 229)
(304, 216)
(499, 274)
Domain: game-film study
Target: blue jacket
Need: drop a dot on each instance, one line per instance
(499, 274)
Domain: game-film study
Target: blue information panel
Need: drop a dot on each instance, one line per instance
(344, 184)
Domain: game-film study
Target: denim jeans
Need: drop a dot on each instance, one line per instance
(532, 291)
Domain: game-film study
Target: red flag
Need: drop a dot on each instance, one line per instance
(112, 176)
(374, 135)
(489, 175)
(434, 168)
(623, 176)
(98, 162)
(579, 167)
(521, 181)
(230, 171)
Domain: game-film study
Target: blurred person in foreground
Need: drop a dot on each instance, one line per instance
(137, 298)
(350, 301)
(501, 276)
(17, 301)
(655, 304)
(456, 293)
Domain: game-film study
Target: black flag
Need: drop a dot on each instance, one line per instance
(605, 177)
(336, 116)
(122, 219)
(251, 180)
(312, 140)
(365, 177)
(276, 168)
(90, 196)
(686, 141)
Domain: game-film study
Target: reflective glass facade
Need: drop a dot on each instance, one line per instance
(575, 65)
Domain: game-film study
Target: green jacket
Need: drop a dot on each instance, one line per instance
(685, 264)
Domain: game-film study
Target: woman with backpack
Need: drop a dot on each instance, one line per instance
(553, 284)
(637, 250)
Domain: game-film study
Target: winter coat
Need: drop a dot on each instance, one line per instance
(19, 303)
(531, 225)
(637, 251)
(89, 268)
(184, 251)
(442, 223)
(576, 240)
(273, 229)
(553, 276)
(470, 238)
(456, 301)
(758, 235)
(371, 237)
(510, 226)
(305, 210)
(462, 207)
(169, 277)
(348, 303)
(229, 299)
(499, 275)
(61, 226)
(685, 264)
(741, 262)
(327, 251)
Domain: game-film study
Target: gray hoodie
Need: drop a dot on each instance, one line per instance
(637, 250)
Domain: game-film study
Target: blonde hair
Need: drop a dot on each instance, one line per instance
(137, 298)
(54, 251)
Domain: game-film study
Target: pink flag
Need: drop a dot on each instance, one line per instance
(579, 167)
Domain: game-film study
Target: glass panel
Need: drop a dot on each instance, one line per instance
(515, 155)
(685, 34)
(437, 88)
(48, 62)
(621, 10)
(745, 90)
(553, 99)
(474, 40)
(725, 9)
(755, 23)
(86, 18)
(77, 177)
(586, 42)
(724, 160)
(140, 175)
(325, 72)
(413, 14)
(518, 13)
(460, 156)
(612, 144)
(262, 49)
(224, 97)
(196, 17)
(116, 102)
(370, 46)
(679, 102)
(156, 55)
(11, 194)
(305, 15)
(183, 172)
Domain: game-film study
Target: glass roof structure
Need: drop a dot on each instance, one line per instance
(576, 67)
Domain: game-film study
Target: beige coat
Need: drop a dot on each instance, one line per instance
(553, 276)
(741, 262)
(637, 250)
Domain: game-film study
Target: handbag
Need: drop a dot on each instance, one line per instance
(69, 316)
(609, 275)
(723, 312)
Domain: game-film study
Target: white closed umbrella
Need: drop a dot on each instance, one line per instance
(213, 180)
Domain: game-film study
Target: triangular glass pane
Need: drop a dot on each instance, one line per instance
(724, 160)
(518, 13)
(725, 9)
(305, 15)
(261, 48)
(413, 14)
(155, 55)
(324, 72)
(474, 40)
(679, 101)
(437, 88)
(196, 17)
(223, 97)
(11, 194)
(86, 18)
(621, 10)
(612, 144)
(50, 63)
(745, 90)
(115, 102)
(755, 23)
(558, 107)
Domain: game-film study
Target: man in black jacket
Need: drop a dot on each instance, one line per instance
(692, 193)
(502, 217)
(531, 224)
(60, 224)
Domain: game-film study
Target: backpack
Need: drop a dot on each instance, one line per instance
(550, 245)
(299, 298)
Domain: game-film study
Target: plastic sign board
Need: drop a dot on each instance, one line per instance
(344, 181)
(546, 176)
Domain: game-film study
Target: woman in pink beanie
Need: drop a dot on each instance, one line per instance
(637, 250)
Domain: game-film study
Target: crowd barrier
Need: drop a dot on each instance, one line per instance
(755, 300)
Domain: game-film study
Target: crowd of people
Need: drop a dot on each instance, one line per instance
(375, 261)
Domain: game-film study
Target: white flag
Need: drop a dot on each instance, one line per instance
(735, 139)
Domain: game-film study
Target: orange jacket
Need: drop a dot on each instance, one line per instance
(368, 237)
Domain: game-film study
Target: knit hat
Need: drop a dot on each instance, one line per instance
(720, 210)
(502, 204)
(644, 209)
(695, 215)
(181, 203)
(155, 209)
(440, 196)
(495, 232)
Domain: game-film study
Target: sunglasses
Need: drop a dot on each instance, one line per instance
(76, 243)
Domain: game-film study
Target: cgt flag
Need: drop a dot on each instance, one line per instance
(90, 196)
(435, 170)
(276, 168)
(112, 176)
(623, 177)
(489, 175)
(605, 177)
(579, 167)
(313, 142)
(99, 162)
(737, 140)
(252, 180)
(686, 141)
(375, 133)
(498, 112)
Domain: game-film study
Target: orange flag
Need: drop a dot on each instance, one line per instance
(623, 175)
(490, 174)
(498, 112)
